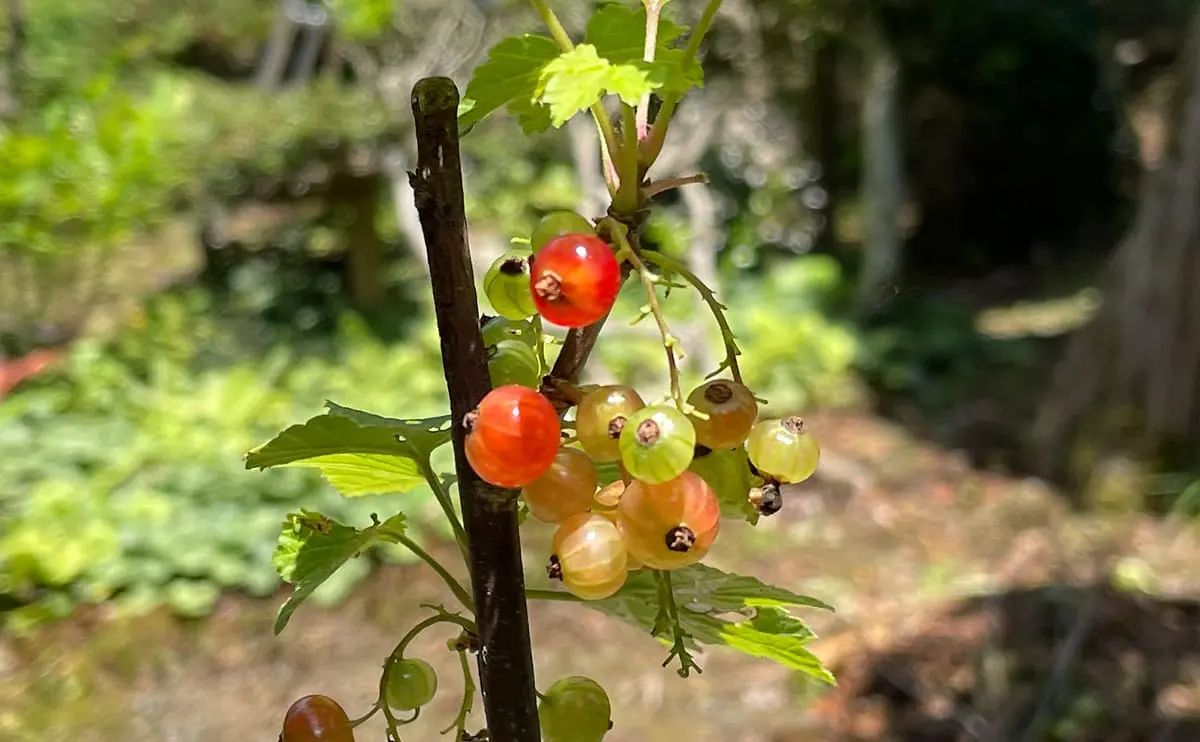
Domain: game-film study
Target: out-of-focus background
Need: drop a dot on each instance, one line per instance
(962, 238)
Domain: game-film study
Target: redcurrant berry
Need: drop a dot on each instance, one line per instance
(589, 556)
(497, 329)
(575, 709)
(669, 525)
(316, 719)
(575, 280)
(411, 683)
(506, 285)
(783, 450)
(556, 224)
(657, 444)
(564, 490)
(512, 437)
(731, 410)
(600, 418)
(514, 362)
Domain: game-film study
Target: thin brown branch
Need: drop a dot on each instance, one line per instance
(489, 514)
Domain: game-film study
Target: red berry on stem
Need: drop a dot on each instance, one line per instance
(316, 719)
(512, 436)
(669, 525)
(575, 280)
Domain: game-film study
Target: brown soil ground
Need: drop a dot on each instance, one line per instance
(971, 606)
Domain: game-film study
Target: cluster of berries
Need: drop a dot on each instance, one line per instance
(663, 513)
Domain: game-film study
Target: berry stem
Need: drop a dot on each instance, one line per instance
(398, 654)
(443, 497)
(608, 135)
(455, 586)
(653, 11)
(650, 190)
(670, 342)
(718, 309)
(626, 200)
(540, 329)
(678, 647)
(658, 132)
(459, 725)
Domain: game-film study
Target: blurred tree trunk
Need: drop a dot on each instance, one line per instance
(823, 132)
(366, 259)
(1137, 364)
(882, 175)
(10, 67)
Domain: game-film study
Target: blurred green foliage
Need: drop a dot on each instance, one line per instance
(121, 474)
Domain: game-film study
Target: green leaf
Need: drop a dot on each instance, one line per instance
(707, 598)
(577, 79)
(510, 77)
(359, 453)
(618, 33)
(312, 547)
(728, 473)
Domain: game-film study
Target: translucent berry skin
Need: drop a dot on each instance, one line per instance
(411, 684)
(506, 285)
(514, 362)
(498, 329)
(589, 556)
(657, 444)
(564, 490)
(595, 415)
(575, 280)
(316, 719)
(670, 525)
(557, 224)
(731, 410)
(783, 450)
(513, 436)
(574, 709)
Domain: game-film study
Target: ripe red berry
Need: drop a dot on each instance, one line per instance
(669, 525)
(575, 280)
(565, 489)
(731, 410)
(316, 719)
(512, 436)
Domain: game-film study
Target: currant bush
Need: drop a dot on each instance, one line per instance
(634, 493)
(669, 525)
(575, 280)
(564, 490)
(512, 437)
(556, 224)
(575, 709)
(506, 285)
(316, 719)
(783, 450)
(657, 444)
(600, 418)
(589, 555)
